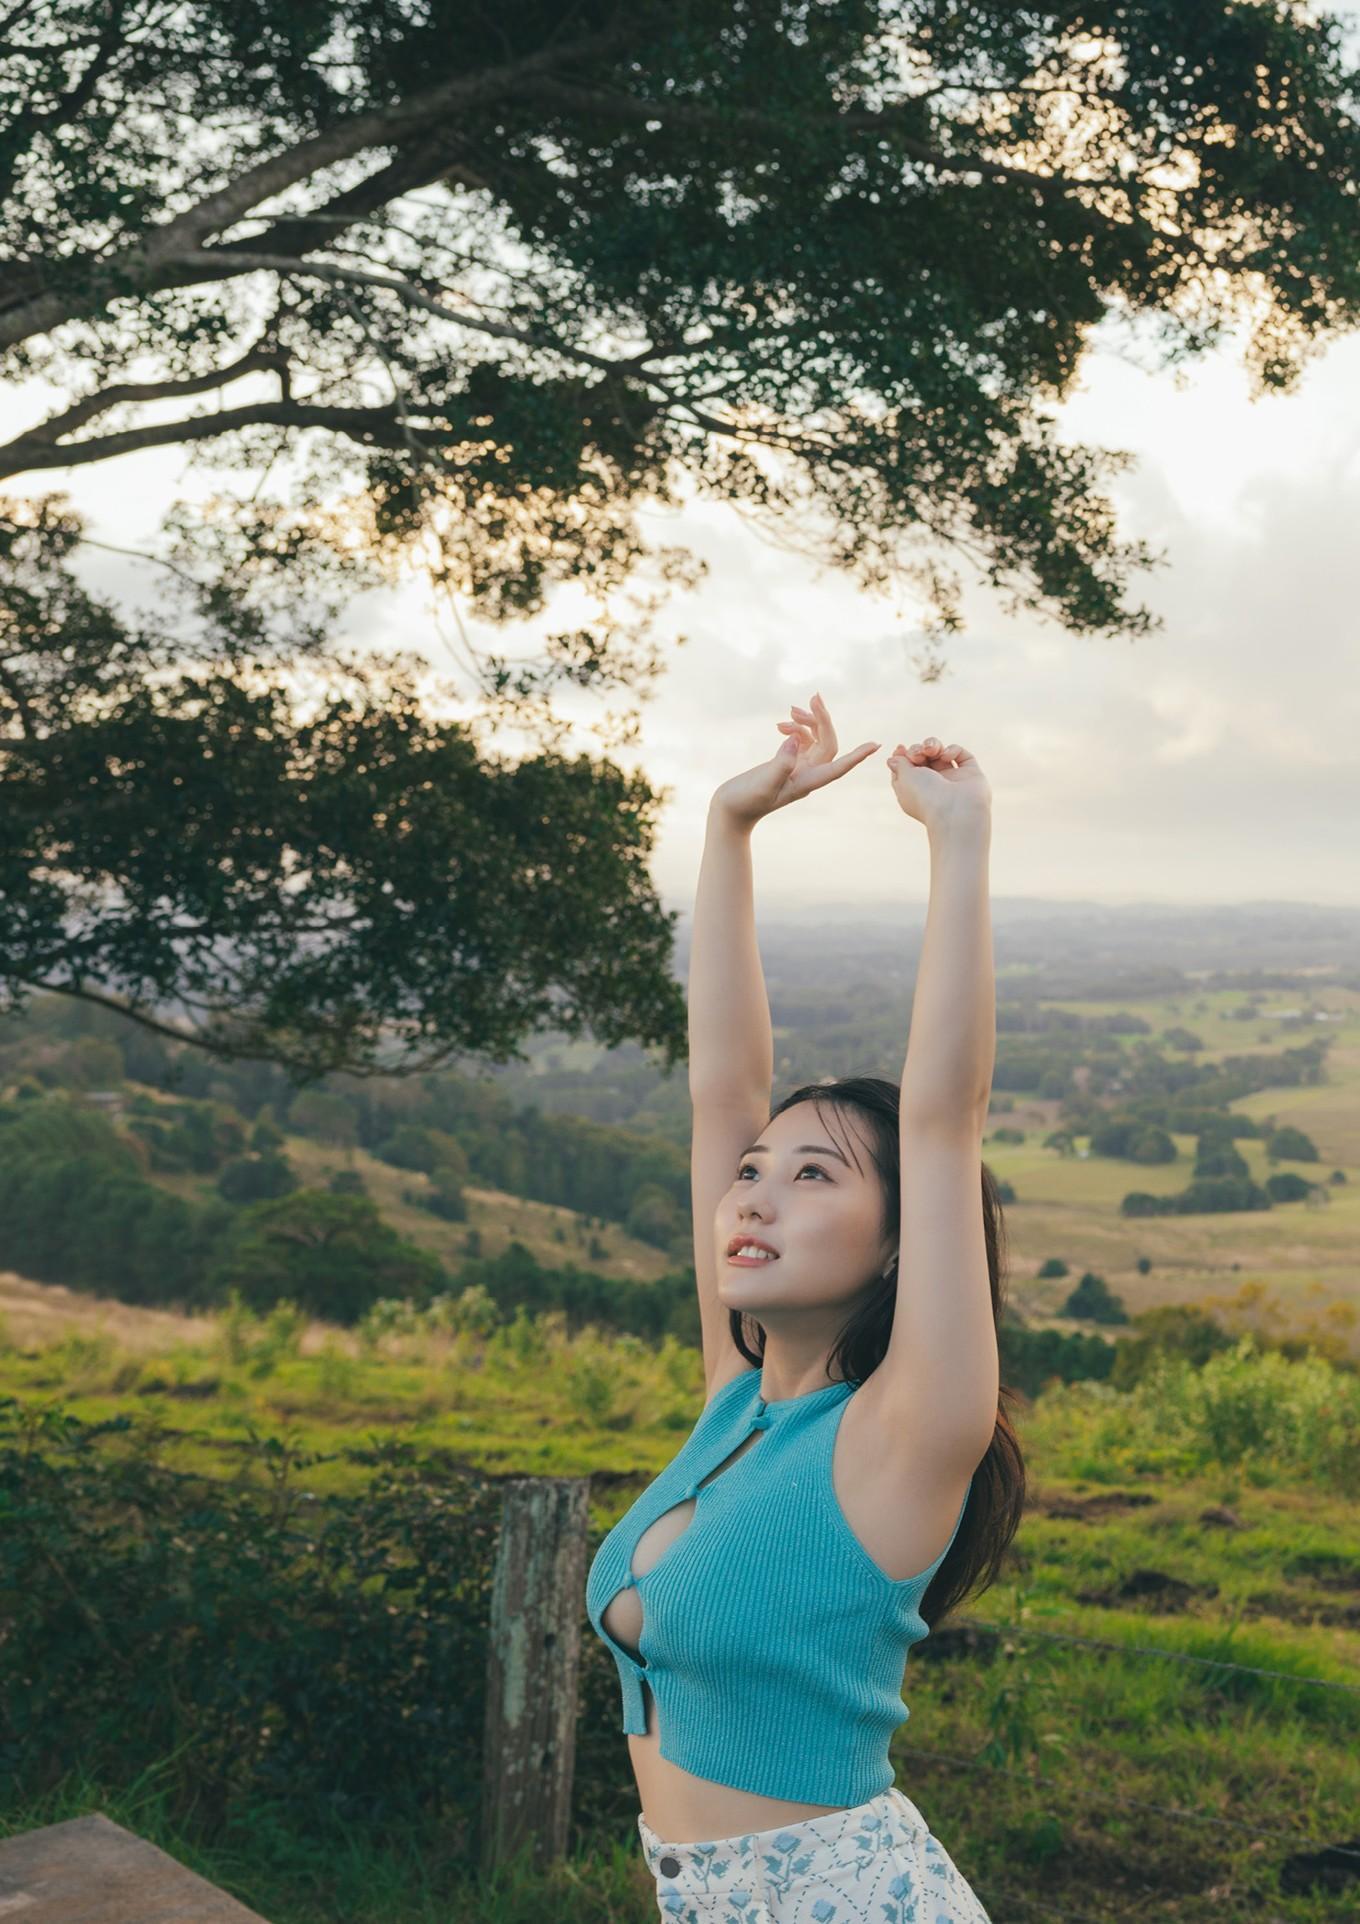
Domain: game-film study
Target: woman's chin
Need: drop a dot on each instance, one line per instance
(744, 1288)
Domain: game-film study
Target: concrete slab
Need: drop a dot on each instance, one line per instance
(90, 1870)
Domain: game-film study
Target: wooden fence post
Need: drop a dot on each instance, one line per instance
(529, 1747)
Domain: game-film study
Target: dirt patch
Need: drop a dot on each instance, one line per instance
(1226, 1519)
(1153, 1589)
(1295, 1609)
(1331, 1569)
(154, 1386)
(1103, 1503)
(954, 1640)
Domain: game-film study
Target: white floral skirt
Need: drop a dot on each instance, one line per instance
(876, 1861)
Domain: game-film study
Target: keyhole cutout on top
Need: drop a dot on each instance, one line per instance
(622, 1615)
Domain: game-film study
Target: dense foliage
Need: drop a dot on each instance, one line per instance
(327, 1653)
(463, 291)
(76, 1207)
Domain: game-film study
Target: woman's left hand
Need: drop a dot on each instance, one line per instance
(939, 784)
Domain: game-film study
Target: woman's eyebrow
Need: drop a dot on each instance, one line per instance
(803, 1149)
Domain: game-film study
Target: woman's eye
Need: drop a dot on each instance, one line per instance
(807, 1165)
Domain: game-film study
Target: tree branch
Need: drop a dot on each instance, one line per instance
(133, 1014)
(300, 233)
(253, 361)
(373, 427)
(137, 268)
(224, 1050)
(351, 135)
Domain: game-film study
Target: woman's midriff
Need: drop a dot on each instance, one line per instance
(684, 1809)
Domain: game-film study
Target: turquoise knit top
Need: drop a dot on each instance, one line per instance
(773, 1643)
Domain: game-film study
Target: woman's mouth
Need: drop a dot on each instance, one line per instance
(748, 1255)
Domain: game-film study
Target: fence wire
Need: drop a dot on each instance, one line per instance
(1148, 1650)
(1140, 1804)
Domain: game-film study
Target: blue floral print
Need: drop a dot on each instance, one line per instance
(875, 1864)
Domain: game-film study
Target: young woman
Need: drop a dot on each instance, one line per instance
(852, 1474)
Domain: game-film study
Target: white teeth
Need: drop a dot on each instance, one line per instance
(749, 1249)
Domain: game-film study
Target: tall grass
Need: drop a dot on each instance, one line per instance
(1268, 1417)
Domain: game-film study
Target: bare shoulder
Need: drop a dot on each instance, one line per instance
(886, 1422)
(726, 1371)
(900, 1497)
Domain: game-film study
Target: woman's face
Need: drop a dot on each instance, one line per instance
(809, 1189)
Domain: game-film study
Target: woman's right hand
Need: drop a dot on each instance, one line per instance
(805, 759)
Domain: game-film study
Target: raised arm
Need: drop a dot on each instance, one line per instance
(939, 1378)
(731, 1047)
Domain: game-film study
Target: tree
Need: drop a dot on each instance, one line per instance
(445, 1196)
(409, 1147)
(1290, 1144)
(259, 1178)
(333, 1256)
(461, 290)
(1093, 1301)
(652, 1216)
(359, 892)
(324, 1116)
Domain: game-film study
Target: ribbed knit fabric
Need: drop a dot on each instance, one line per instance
(772, 1641)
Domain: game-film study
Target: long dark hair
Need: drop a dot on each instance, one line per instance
(996, 1500)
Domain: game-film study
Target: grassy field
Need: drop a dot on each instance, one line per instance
(1298, 1259)
(1206, 1529)
(1066, 1779)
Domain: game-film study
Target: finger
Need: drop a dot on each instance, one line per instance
(961, 754)
(823, 735)
(796, 729)
(828, 727)
(819, 777)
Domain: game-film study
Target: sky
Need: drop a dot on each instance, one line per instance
(1212, 761)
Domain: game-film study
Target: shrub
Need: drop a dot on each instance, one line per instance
(1263, 1415)
(1172, 1328)
(409, 1147)
(1286, 1185)
(1093, 1301)
(257, 1178)
(1290, 1144)
(444, 1197)
(245, 1646)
